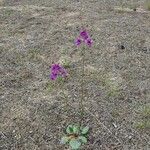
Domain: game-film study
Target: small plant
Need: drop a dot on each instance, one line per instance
(113, 91)
(143, 116)
(143, 124)
(76, 136)
(145, 112)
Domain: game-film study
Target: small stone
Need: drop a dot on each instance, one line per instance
(134, 9)
(114, 125)
(30, 131)
(13, 131)
(122, 47)
(130, 137)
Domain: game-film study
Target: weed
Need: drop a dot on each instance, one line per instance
(143, 124)
(76, 136)
(146, 111)
(144, 116)
(8, 12)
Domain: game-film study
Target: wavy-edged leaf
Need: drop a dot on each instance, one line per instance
(85, 130)
(75, 144)
(82, 139)
(75, 129)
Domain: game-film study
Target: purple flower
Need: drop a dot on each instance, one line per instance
(84, 37)
(84, 34)
(78, 41)
(57, 70)
(53, 76)
(89, 42)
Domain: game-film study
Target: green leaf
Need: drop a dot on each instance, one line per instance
(82, 139)
(85, 130)
(75, 129)
(64, 140)
(75, 144)
(69, 129)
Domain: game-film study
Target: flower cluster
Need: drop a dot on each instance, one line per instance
(84, 37)
(57, 70)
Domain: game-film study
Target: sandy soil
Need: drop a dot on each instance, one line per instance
(36, 33)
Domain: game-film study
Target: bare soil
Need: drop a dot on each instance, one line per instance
(36, 33)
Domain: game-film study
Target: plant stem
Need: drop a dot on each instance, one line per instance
(65, 99)
(82, 87)
(66, 102)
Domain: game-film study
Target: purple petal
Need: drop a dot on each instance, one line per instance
(53, 76)
(63, 72)
(89, 42)
(55, 67)
(78, 41)
(84, 34)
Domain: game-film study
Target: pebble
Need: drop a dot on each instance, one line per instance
(114, 125)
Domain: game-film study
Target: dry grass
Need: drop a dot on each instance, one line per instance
(34, 34)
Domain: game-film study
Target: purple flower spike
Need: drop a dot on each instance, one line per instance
(84, 37)
(84, 34)
(57, 70)
(78, 41)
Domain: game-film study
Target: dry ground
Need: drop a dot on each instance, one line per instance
(35, 33)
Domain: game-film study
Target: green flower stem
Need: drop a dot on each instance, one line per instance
(82, 86)
(65, 99)
(66, 102)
